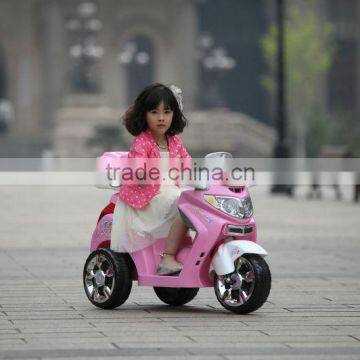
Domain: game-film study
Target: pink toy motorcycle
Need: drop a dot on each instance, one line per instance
(221, 253)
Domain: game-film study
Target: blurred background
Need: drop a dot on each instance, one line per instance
(70, 68)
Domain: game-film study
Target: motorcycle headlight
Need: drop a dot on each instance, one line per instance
(240, 208)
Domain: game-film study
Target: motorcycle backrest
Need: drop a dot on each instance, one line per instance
(105, 165)
(219, 154)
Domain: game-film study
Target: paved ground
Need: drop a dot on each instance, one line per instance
(313, 310)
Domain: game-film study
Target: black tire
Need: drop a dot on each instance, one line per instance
(260, 291)
(120, 282)
(175, 296)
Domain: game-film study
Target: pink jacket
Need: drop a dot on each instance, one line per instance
(144, 146)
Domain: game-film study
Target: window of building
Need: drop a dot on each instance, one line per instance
(84, 49)
(136, 56)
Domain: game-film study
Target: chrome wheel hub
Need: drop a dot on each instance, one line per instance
(237, 288)
(99, 278)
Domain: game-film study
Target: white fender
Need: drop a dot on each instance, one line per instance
(223, 260)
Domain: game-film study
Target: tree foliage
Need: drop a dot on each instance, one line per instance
(308, 56)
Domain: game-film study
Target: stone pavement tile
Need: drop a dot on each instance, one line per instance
(221, 324)
(235, 337)
(334, 320)
(5, 324)
(37, 300)
(139, 357)
(313, 308)
(131, 341)
(313, 313)
(52, 335)
(81, 307)
(7, 342)
(203, 348)
(225, 332)
(199, 308)
(202, 308)
(300, 299)
(328, 289)
(310, 331)
(132, 326)
(140, 331)
(329, 307)
(18, 293)
(292, 357)
(59, 330)
(50, 324)
(345, 290)
(123, 320)
(355, 336)
(347, 298)
(335, 347)
(8, 331)
(205, 324)
(120, 337)
(18, 358)
(72, 283)
(348, 330)
(221, 328)
(29, 348)
(300, 282)
(115, 314)
(304, 320)
(209, 315)
(282, 353)
(49, 316)
(29, 293)
(68, 291)
(287, 326)
(317, 339)
(38, 314)
(36, 307)
(243, 328)
(53, 343)
(22, 283)
(264, 310)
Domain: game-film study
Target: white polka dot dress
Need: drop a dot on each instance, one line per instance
(134, 229)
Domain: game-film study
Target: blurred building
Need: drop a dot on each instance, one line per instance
(344, 77)
(71, 53)
(68, 65)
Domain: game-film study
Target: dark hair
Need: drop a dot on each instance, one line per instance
(149, 99)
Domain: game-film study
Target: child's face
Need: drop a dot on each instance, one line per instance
(159, 119)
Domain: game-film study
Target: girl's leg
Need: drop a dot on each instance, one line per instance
(176, 234)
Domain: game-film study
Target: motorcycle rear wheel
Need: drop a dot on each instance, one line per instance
(107, 278)
(175, 296)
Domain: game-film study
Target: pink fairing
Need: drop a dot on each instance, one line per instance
(196, 253)
(102, 233)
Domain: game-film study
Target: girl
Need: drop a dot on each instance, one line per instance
(146, 212)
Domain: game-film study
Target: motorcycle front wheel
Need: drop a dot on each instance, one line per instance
(247, 288)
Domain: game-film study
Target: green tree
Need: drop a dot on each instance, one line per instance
(308, 56)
